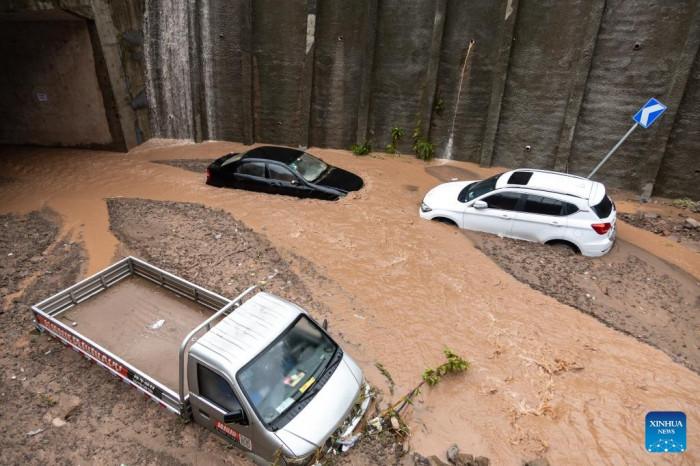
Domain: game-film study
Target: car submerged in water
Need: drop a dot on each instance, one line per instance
(282, 170)
(535, 205)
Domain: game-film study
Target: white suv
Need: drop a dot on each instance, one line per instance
(534, 205)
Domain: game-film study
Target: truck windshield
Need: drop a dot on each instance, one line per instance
(309, 166)
(285, 370)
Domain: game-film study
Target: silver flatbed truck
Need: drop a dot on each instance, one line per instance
(256, 370)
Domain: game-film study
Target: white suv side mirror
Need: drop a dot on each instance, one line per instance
(480, 205)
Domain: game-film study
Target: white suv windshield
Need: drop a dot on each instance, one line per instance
(480, 188)
(280, 375)
(309, 166)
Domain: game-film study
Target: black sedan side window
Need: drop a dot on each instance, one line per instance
(252, 169)
(280, 173)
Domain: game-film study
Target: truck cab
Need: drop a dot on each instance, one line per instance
(271, 381)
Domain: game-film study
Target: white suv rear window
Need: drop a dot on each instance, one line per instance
(603, 208)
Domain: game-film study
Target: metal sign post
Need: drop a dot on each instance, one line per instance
(645, 117)
(612, 151)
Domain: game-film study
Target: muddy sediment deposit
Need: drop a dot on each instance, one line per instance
(205, 246)
(685, 229)
(546, 380)
(628, 289)
(24, 239)
(193, 165)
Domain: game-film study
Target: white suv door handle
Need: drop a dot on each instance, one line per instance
(555, 222)
(505, 215)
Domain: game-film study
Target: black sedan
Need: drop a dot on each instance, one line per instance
(282, 170)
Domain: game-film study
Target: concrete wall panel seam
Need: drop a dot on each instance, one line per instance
(578, 88)
(677, 91)
(506, 29)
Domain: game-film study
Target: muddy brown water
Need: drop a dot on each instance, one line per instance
(545, 378)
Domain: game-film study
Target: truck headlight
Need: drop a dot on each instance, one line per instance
(424, 207)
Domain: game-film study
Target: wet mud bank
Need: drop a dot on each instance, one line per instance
(38, 378)
(205, 246)
(628, 289)
(193, 165)
(24, 238)
(681, 228)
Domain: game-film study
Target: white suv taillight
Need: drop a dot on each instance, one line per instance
(601, 228)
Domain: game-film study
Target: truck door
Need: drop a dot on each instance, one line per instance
(214, 401)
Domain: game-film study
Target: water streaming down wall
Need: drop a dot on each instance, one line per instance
(478, 23)
(561, 77)
(168, 77)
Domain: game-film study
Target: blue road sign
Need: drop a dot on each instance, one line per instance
(649, 113)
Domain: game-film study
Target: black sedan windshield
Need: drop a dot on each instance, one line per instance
(480, 188)
(277, 378)
(309, 166)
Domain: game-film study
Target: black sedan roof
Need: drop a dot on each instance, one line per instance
(281, 154)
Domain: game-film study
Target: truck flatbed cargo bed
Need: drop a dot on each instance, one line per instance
(120, 319)
(109, 316)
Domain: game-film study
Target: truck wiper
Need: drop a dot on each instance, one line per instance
(332, 362)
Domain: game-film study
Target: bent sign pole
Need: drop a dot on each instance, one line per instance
(645, 117)
(612, 151)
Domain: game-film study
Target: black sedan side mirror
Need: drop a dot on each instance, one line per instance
(294, 182)
(235, 417)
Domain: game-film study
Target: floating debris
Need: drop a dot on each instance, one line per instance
(157, 324)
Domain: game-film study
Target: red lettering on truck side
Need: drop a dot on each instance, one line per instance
(235, 435)
(82, 345)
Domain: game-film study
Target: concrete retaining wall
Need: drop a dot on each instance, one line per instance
(561, 78)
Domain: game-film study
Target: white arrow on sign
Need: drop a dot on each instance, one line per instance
(646, 112)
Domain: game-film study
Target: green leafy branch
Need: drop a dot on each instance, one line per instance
(431, 376)
(361, 149)
(454, 364)
(424, 149)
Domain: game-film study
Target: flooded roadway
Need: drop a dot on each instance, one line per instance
(545, 378)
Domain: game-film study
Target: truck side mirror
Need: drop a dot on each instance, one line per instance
(325, 324)
(235, 417)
